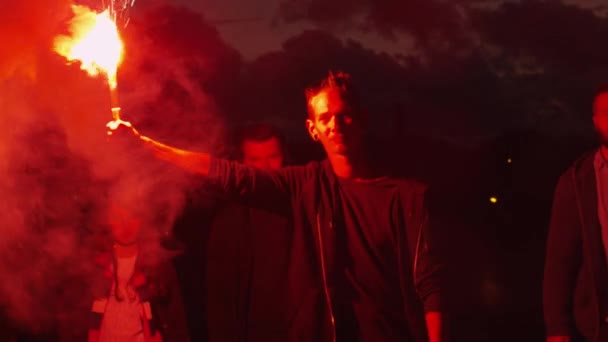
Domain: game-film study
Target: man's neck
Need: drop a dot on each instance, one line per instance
(350, 167)
(604, 151)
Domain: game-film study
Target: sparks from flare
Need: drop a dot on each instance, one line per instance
(95, 42)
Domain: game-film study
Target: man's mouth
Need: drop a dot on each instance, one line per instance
(126, 242)
(338, 138)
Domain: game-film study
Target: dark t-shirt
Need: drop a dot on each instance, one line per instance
(374, 291)
(369, 304)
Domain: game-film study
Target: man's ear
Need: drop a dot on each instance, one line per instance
(312, 130)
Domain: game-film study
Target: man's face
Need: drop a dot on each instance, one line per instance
(600, 117)
(124, 227)
(265, 155)
(334, 123)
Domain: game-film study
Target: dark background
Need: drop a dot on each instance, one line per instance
(456, 90)
(484, 85)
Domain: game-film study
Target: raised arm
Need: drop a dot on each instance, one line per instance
(197, 162)
(256, 187)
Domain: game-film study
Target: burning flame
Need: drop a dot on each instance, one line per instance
(94, 41)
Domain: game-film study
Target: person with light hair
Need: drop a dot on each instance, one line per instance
(364, 263)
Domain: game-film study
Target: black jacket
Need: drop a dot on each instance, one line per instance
(575, 280)
(247, 259)
(312, 192)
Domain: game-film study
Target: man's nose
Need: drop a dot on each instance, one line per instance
(335, 123)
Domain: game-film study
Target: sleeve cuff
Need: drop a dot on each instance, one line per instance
(432, 303)
(559, 330)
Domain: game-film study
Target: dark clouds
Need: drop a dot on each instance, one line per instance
(428, 20)
(444, 99)
(177, 65)
(552, 54)
(556, 35)
(477, 71)
(512, 64)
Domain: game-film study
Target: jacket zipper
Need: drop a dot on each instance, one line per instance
(418, 242)
(324, 274)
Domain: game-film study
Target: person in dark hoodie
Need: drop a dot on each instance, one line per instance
(364, 264)
(576, 277)
(247, 255)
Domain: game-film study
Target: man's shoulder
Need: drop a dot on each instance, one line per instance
(582, 169)
(581, 165)
(584, 159)
(310, 168)
(316, 165)
(410, 185)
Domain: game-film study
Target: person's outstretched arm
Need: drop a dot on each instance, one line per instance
(197, 162)
(257, 187)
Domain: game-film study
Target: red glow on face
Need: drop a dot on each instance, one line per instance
(600, 116)
(332, 121)
(335, 118)
(319, 103)
(265, 155)
(326, 102)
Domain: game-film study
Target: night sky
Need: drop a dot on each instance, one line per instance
(462, 71)
(257, 27)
